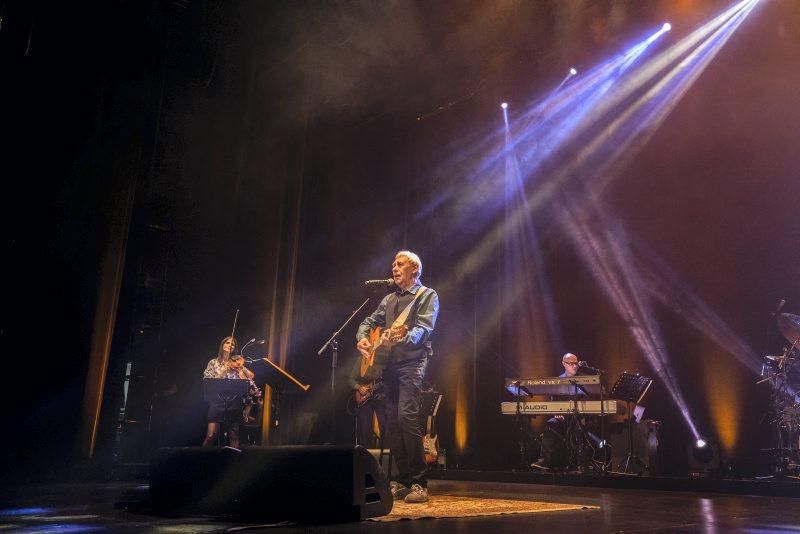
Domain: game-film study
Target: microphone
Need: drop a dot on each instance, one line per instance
(591, 369)
(386, 282)
(779, 307)
(254, 340)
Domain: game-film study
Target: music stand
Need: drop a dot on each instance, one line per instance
(228, 391)
(267, 372)
(273, 375)
(631, 388)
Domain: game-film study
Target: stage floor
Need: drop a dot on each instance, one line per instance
(117, 507)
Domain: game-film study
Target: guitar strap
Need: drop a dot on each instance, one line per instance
(404, 314)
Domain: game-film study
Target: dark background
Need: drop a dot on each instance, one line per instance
(269, 157)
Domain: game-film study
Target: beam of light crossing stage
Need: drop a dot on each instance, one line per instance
(621, 139)
(665, 286)
(561, 115)
(537, 144)
(574, 99)
(541, 123)
(645, 116)
(525, 288)
(544, 191)
(547, 126)
(605, 254)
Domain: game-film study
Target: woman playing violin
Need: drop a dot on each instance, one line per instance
(225, 365)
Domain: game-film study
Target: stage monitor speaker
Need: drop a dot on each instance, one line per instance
(316, 484)
(310, 484)
(186, 479)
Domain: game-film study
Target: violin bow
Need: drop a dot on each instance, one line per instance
(233, 330)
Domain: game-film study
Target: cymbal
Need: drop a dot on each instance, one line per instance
(789, 325)
(779, 358)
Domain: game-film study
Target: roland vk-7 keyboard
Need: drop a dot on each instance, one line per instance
(556, 385)
(586, 407)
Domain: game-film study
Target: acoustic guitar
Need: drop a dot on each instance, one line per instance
(376, 340)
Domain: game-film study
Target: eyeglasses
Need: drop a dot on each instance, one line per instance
(570, 363)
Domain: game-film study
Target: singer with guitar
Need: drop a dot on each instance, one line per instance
(406, 317)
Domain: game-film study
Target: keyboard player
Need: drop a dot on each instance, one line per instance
(555, 449)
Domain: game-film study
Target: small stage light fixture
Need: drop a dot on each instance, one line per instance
(703, 457)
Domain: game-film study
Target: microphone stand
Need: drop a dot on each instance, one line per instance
(334, 345)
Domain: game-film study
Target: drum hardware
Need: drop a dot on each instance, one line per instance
(781, 372)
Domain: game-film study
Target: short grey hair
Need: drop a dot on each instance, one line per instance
(414, 259)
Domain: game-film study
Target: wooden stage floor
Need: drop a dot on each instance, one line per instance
(121, 507)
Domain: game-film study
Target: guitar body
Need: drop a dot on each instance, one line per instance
(430, 442)
(431, 445)
(360, 399)
(376, 342)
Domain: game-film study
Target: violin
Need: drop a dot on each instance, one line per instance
(235, 363)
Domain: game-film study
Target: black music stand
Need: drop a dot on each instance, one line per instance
(229, 391)
(631, 388)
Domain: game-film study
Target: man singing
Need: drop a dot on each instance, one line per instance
(413, 307)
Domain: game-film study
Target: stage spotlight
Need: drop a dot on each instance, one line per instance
(573, 71)
(666, 27)
(703, 457)
(504, 105)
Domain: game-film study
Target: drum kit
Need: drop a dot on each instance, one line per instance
(783, 373)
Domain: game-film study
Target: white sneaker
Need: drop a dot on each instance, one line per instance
(417, 494)
(399, 491)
